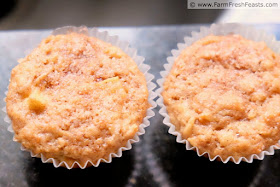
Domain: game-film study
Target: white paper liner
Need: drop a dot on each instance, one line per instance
(114, 40)
(215, 29)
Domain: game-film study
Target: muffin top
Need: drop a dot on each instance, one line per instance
(223, 96)
(76, 98)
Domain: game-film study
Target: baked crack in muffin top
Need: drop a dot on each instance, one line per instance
(223, 95)
(76, 98)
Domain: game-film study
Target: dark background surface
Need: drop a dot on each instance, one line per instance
(157, 160)
(45, 14)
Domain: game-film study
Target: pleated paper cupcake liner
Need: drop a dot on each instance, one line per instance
(144, 68)
(215, 29)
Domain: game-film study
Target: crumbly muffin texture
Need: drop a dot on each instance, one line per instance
(76, 98)
(223, 96)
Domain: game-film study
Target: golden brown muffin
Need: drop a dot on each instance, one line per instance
(223, 96)
(76, 98)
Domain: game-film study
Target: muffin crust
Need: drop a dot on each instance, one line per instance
(223, 96)
(76, 98)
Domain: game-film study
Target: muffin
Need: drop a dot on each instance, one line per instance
(223, 94)
(76, 99)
